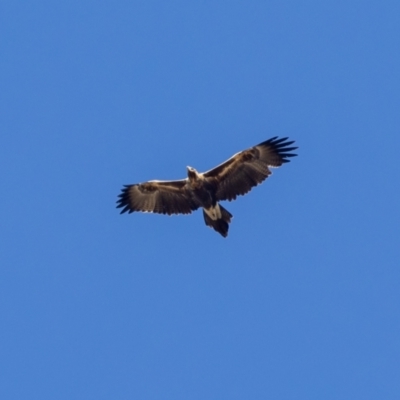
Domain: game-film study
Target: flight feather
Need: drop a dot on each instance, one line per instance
(248, 168)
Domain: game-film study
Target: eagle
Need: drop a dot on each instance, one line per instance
(234, 177)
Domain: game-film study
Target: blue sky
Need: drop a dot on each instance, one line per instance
(301, 301)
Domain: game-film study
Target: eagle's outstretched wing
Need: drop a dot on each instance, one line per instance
(162, 197)
(248, 168)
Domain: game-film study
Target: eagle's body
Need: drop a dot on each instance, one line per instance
(234, 177)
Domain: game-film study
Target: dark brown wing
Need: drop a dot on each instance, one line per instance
(249, 168)
(162, 197)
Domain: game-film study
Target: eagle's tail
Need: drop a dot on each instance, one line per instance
(220, 224)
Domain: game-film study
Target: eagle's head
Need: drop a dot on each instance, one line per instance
(193, 175)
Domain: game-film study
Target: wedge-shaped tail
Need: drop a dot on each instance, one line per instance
(218, 223)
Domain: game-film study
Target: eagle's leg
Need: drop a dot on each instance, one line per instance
(218, 218)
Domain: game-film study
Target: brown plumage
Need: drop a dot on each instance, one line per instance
(234, 177)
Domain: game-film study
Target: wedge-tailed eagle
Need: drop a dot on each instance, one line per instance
(236, 176)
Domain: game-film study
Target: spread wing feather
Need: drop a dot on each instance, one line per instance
(162, 197)
(244, 170)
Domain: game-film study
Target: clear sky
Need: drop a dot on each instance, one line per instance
(301, 301)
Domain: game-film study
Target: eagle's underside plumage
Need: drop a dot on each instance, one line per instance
(236, 176)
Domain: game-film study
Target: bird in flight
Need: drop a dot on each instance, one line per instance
(234, 177)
